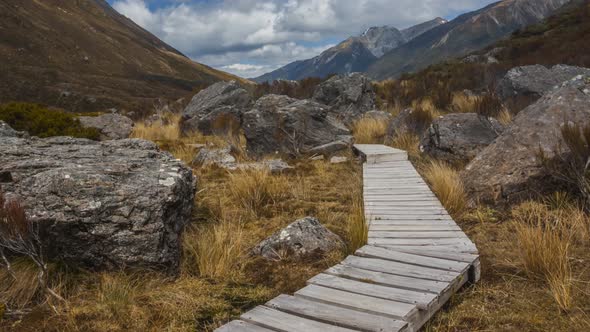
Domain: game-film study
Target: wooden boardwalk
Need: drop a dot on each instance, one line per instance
(416, 258)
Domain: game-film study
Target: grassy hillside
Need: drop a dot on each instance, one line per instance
(84, 56)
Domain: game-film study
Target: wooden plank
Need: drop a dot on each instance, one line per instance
(414, 228)
(380, 278)
(417, 235)
(281, 321)
(336, 315)
(358, 302)
(422, 300)
(402, 269)
(442, 248)
(426, 242)
(241, 326)
(402, 257)
(425, 251)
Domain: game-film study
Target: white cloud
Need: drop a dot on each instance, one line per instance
(269, 33)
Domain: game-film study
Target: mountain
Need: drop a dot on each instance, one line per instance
(467, 33)
(355, 54)
(82, 55)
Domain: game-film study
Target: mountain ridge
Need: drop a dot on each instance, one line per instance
(355, 54)
(466, 33)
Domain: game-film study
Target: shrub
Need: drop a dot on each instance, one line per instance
(447, 185)
(42, 122)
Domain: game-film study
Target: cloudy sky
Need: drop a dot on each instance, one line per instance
(252, 37)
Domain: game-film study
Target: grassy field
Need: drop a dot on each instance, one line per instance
(218, 279)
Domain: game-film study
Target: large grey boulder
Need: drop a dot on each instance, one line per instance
(7, 131)
(534, 81)
(281, 125)
(111, 126)
(217, 109)
(302, 238)
(349, 96)
(102, 205)
(459, 137)
(509, 169)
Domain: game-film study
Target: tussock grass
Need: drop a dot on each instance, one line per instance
(504, 117)
(21, 289)
(463, 103)
(447, 185)
(357, 226)
(407, 141)
(168, 130)
(370, 130)
(214, 252)
(255, 190)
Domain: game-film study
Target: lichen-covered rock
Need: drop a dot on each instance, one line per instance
(103, 205)
(217, 109)
(7, 131)
(348, 96)
(536, 80)
(459, 137)
(275, 126)
(111, 126)
(302, 238)
(509, 170)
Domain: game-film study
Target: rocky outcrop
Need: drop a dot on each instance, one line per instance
(281, 125)
(536, 80)
(7, 131)
(459, 137)
(102, 205)
(111, 126)
(509, 169)
(302, 238)
(348, 96)
(217, 109)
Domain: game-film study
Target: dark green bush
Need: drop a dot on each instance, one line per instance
(42, 122)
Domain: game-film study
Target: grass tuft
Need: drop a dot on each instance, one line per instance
(370, 130)
(447, 185)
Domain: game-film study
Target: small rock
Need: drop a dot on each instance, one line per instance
(7, 131)
(218, 157)
(302, 238)
(111, 126)
(330, 148)
(338, 160)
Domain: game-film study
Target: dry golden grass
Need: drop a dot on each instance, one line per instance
(358, 226)
(447, 185)
(370, 130)
(215, 251)
(255, 190)
(505, 117)
(463, 103)
(168, 131)
(407, 141)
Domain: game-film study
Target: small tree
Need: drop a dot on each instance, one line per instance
(20, 236)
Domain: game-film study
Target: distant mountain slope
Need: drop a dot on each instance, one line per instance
(355, 54)
(465, 34)
(82, 55)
